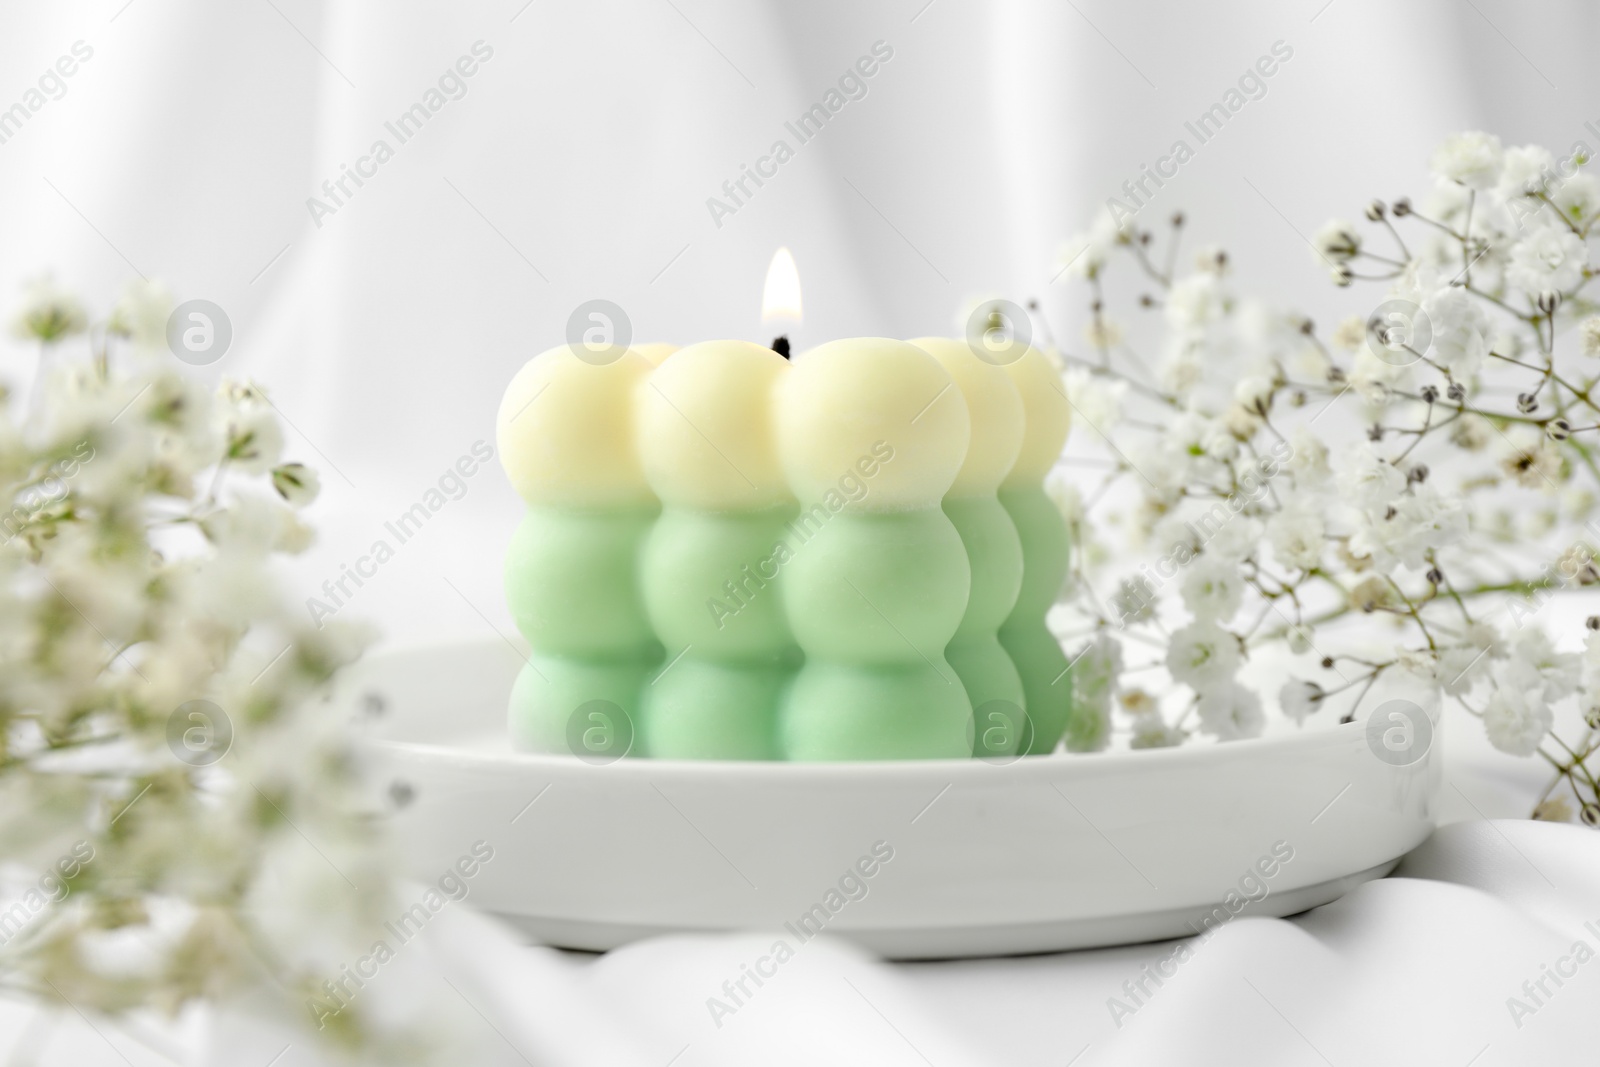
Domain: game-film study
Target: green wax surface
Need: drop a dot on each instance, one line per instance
(873, 599)
(710, 583)
(994, 553)
(707, 709)
(572, 581)
(1034, 650)
(572, 585)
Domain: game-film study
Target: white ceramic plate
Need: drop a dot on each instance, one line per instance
(1046, 853)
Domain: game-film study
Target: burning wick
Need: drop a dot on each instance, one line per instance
(780, 301)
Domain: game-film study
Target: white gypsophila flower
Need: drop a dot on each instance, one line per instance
(1526, 170)
(1460, 668)
(1336, 241)
(1197, 301)
(1298, 638)
(1254, 394)
(1235, 539)
(1421, 664)
(141, 312)
(1212, 588)
(1221, 444)
(1460, 327)
(1300, 699)
(1296, 534)
(296, 483)
(1589, 665)
(1557, 672)
(1415, 523)
(1547, 260)
(49, 312)
(1308, 458)
(1137, 703)
(1515, 719)
(1097, 400)
(1174, 535)
(1231, 712)
(1202, 655)
(249, 425)
(1578, 198)
(1350, 334)
(1095, 674)
(1102, 333)
(1473, 158)
(256, 523)
(1134, 601)
(1374, 378)
(1530, 458)
(1368, 481)
(1242, 424)
(1152, 731)
(1371, 593)
(1589, 335)
(1181, 371)
(1085, 255)
(1446, 202)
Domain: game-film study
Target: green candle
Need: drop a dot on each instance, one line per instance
(871, 433)
(565, 430)
(1034, 649)
(709, 575)
(994, 551)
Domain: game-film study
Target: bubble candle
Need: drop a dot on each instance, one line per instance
(712, 559)
(871, 433)
(566, 437)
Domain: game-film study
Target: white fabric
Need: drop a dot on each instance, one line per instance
(1416, 968)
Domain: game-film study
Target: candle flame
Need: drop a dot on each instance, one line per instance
(780, 297)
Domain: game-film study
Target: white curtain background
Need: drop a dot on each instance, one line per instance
(579, 162)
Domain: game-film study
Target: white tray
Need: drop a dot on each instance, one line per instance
(1046, 853)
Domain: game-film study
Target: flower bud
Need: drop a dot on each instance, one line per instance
(1402, 207)
(1435, 576)
(1342, 276)
(1375, 210)
(1527, 403)
(1548, 301)
(1456, 392)
(1430, 393)
(1590, 815)
(1558, 429)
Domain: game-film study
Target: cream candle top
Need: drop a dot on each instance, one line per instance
(705, 427)
(566, 434)
(1047, 417)
(845, 401)
(995, 407)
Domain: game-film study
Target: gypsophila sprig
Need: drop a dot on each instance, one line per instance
(1392, 502)
(165, 754)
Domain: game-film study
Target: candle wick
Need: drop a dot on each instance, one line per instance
(780, 345)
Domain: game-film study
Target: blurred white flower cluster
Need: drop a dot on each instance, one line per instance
(1391, 503)
(157, 699)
